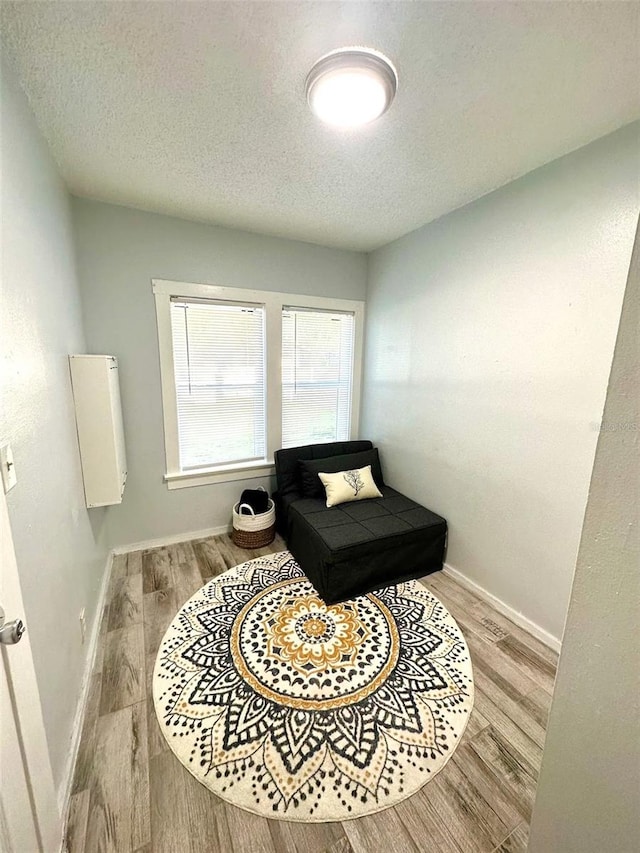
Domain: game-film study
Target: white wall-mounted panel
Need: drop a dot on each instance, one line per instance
(96, 394)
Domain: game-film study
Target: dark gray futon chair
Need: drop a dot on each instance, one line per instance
(356, 547)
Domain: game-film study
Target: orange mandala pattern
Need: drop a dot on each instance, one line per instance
(311, 638)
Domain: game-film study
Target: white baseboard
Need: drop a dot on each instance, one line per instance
(172, 540)
(519, 618)
(64, 792)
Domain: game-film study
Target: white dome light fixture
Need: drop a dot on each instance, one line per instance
(351, 86)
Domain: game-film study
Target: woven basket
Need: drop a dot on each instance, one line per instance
(253, 530)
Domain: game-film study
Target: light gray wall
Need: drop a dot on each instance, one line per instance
(61, 550)
(588, 798)
(119, 251)
(490, 335)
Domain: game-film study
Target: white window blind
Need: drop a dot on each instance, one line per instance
(219, 369)
(317, 375)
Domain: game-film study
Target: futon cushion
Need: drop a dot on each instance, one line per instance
(311, 486)
(345, 486)
(356, 547)
(287, 461)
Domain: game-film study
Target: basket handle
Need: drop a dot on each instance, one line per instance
(246, 506)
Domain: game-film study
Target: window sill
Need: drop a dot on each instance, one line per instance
(220, 474)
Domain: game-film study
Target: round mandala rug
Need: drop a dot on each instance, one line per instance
(298, 710)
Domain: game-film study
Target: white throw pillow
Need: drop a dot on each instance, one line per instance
(346, 486)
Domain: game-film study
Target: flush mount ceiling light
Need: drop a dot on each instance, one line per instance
(351, 86)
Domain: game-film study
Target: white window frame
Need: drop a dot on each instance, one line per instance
(273, 304)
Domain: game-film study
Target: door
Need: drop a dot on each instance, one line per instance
(29, 818)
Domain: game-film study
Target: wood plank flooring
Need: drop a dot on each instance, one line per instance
(130, 795)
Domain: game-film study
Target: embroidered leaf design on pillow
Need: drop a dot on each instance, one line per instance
(354, 480)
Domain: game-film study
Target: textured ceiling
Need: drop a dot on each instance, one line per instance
(197, 109)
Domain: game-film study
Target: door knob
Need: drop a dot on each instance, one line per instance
(10, 632)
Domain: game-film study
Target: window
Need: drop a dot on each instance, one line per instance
(246, 372)
(317, 370)
(218, 365)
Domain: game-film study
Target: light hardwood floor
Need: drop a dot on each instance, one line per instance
(131, 794)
